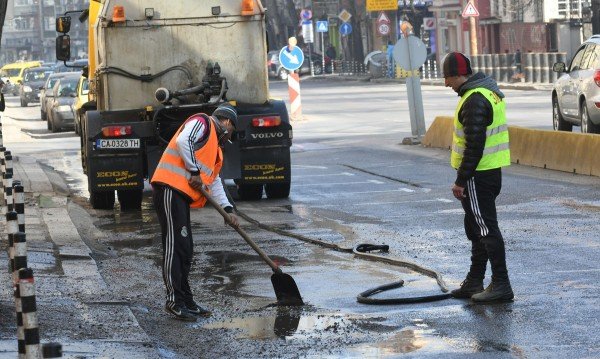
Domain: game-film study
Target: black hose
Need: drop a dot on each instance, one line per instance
(362, 251)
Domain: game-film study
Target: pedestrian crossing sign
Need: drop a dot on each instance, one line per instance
(322, 26)
(470, 10)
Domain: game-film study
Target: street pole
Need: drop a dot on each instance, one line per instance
(323, 52)
(473, 32)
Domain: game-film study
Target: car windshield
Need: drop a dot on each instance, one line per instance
(11, 72)
(36, 75)
(67, 86)
(52, 81)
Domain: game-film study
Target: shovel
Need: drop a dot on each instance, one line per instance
(284, 285)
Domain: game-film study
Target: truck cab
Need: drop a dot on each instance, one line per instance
(152, 66)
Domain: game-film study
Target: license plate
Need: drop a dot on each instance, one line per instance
(118, 143)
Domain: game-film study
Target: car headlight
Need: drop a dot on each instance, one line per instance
(64, 108)
(27, 89)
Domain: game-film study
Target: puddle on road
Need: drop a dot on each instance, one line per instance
(288, 323)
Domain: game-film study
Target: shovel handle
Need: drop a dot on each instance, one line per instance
(242, 233)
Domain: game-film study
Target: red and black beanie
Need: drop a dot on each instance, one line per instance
(456, 64)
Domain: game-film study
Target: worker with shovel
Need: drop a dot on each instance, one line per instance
(479, 151)
(190, 163)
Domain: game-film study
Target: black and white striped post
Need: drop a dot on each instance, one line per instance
(12, 229)
(19, 199)
(2, 172)
(7, 181)
(33, 348)
(52, 350)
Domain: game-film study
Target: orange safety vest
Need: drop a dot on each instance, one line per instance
(171, 170)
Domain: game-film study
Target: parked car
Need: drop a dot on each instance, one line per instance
(276, 70)
(576, 93)
(33, 80)
(46, 95)
(81, 98)
(60, 114)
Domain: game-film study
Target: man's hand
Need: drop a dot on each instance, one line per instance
(196, 182)
(233, 220)
(458, 192)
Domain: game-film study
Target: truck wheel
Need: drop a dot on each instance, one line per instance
(102, 200)
(250, 192)
(130, 200)
(277, 190)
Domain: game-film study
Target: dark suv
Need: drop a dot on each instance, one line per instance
(33, 80)
(576, 93)
(277, 70)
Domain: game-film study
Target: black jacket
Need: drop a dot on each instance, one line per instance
(476, 114)
(2, 103)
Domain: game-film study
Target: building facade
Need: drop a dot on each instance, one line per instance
(29, 30)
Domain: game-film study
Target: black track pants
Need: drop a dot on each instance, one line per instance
(481, 224)
(173, 212)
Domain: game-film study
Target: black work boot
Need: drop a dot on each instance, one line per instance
(468, 287)
(498, 291)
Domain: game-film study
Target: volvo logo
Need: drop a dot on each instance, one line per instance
(267, 135)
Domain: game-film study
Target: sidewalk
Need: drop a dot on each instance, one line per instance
(75, 306)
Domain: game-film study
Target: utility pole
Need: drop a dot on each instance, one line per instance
(473, 32)
(595, 16)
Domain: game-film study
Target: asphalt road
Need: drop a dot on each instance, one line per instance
(353, 183)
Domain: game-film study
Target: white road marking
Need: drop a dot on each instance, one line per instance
(311, 167)
(336, 184)
(325, 175)
(445, 200)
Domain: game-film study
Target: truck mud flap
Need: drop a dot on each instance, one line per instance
(266, 165)
(123, 172)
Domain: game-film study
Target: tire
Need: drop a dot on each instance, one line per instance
(587, 126)
(282, 74)
(250, 192)
(102, 200)
(558, 122)
(277, 190)
(53, 127)
(130, 200)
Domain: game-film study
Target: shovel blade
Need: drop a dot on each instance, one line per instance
(286, 289)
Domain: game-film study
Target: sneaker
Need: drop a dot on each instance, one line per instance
(468, 287)
(495, 293)
(195, 309)
(180, 313)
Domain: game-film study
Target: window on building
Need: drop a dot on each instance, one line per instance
(49, 23)
(48, 2)
(23, 2)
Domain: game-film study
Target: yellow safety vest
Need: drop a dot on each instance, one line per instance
(496, 153)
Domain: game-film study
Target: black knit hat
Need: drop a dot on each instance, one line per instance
(225, 110)
(456, 64)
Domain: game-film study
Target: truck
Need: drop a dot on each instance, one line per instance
(154, 63)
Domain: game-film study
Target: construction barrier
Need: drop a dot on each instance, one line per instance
(295, 100)
(556, 150)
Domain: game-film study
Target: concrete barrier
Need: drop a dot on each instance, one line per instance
(556, 150)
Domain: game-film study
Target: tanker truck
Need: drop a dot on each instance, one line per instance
(154, 63)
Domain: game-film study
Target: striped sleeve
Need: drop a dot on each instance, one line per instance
(191, 133)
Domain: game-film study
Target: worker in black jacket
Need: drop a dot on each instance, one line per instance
(2, 103)
(479, 151)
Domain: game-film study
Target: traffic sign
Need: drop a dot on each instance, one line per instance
(428, 23)
(307, 31)
(383, 18)
(410, 53)
(322, 26)
(383, 29)
(306, 14)
(345, 29)
(377, 5)
(470, 10)
(291, 60)
(344, 15)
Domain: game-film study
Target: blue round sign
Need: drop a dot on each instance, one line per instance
(306, 14)
(291, 60)
(345, 29)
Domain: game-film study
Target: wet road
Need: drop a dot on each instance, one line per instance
(350, 189)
